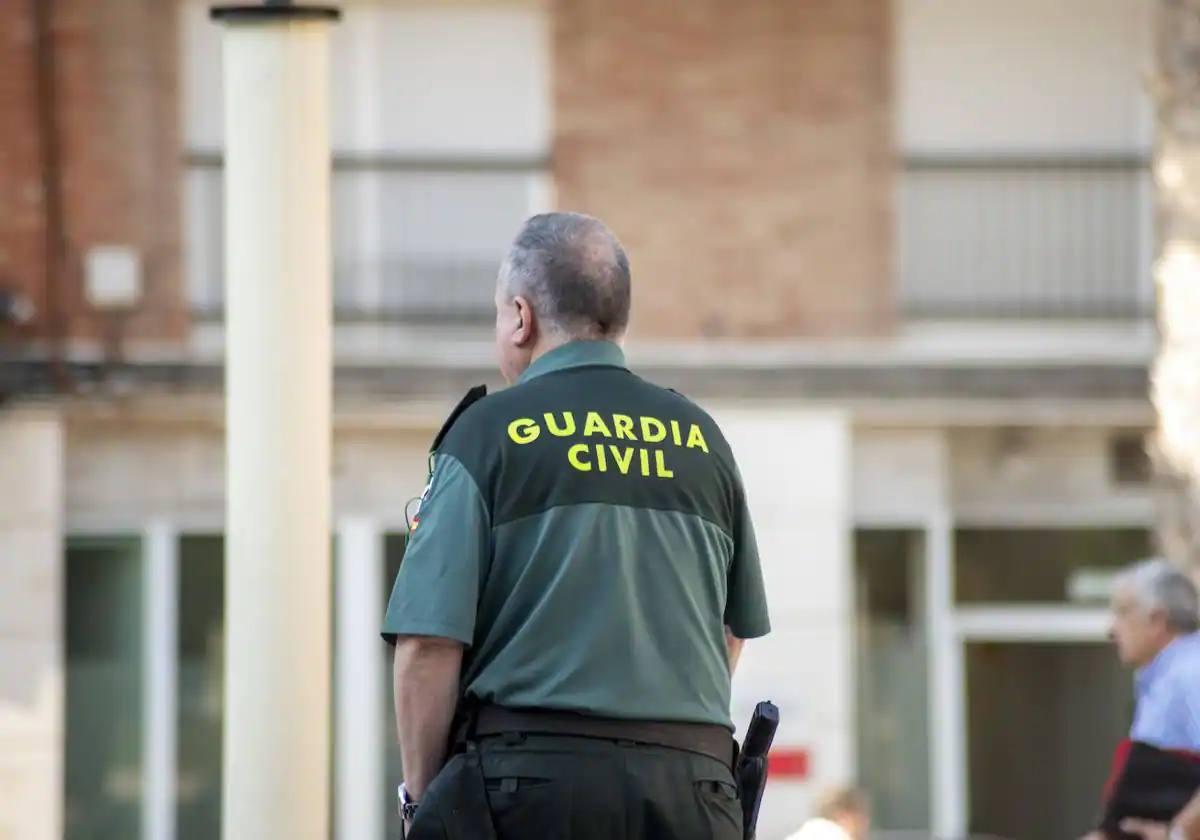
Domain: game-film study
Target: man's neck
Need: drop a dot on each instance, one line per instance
(545, 345)
(1170, 639)
(552, 342)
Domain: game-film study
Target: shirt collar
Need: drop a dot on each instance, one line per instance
(572, 355)
(1162, 662)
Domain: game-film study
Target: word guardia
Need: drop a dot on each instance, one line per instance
(605, 457)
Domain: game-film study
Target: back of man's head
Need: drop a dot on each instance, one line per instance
(574, 273)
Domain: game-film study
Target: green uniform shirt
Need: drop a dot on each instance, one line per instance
(585, 534)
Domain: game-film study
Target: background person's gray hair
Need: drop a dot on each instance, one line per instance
(1160, 584)
(574, 273)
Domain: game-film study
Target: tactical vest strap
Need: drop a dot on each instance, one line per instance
(472, 396)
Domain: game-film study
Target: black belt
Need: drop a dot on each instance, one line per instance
(707, 739)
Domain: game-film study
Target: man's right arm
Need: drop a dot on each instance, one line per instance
(425, 678)
(1185, 826)
(431, 615)
(1188, 821)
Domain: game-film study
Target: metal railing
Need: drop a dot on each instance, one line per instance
(414, 239)
(418, 239)
(997, 237)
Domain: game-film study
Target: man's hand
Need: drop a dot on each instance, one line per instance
(1093, 835)
(1146, 829)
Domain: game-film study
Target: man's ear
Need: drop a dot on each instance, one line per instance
(526, 331)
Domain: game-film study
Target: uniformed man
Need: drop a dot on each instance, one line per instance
(578, 584)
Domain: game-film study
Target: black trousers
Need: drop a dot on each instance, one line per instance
(552, 787)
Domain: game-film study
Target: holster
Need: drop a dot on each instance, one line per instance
(750, 768)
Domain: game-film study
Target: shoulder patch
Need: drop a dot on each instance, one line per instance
(472, 396)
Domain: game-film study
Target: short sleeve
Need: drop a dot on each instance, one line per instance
(1152, 718)
(437, 590)
(746, 605)
(1168, 716)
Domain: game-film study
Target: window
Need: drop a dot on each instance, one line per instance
(201, 687)
(440, 121)
(1031, 565)
(1043, 719)
(393, 553)
(893, 724)
(104, 688)
(1025, 128)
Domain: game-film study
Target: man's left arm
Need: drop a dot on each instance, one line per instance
(431, 616)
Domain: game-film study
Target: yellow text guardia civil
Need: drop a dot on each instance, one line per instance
(603, 457)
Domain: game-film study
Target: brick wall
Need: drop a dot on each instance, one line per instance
(21, 208)
(116, 82)
(741, 150)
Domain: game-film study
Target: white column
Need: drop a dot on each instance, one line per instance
(278, 384)
(947, 695)
(160, 652)
(360, 740)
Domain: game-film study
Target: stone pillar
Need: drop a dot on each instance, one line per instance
(31, 644)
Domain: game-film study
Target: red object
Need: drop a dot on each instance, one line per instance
(1120, 756)
(788, 763)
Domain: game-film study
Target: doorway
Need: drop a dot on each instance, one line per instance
(1043, 719)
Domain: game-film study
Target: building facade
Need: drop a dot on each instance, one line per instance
(901, 250)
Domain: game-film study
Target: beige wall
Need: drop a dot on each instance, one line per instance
(994, 474)
(1023, 76)
(795, 463)
(125, 470)
(31, 646)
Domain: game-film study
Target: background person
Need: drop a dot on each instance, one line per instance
(1156, 615)
(842, 813)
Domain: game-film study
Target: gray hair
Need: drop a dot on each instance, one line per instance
(574, 273)
(1159, 584)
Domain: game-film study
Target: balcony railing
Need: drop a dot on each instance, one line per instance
(414, 240)
(418, 240)
(1025, 237)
